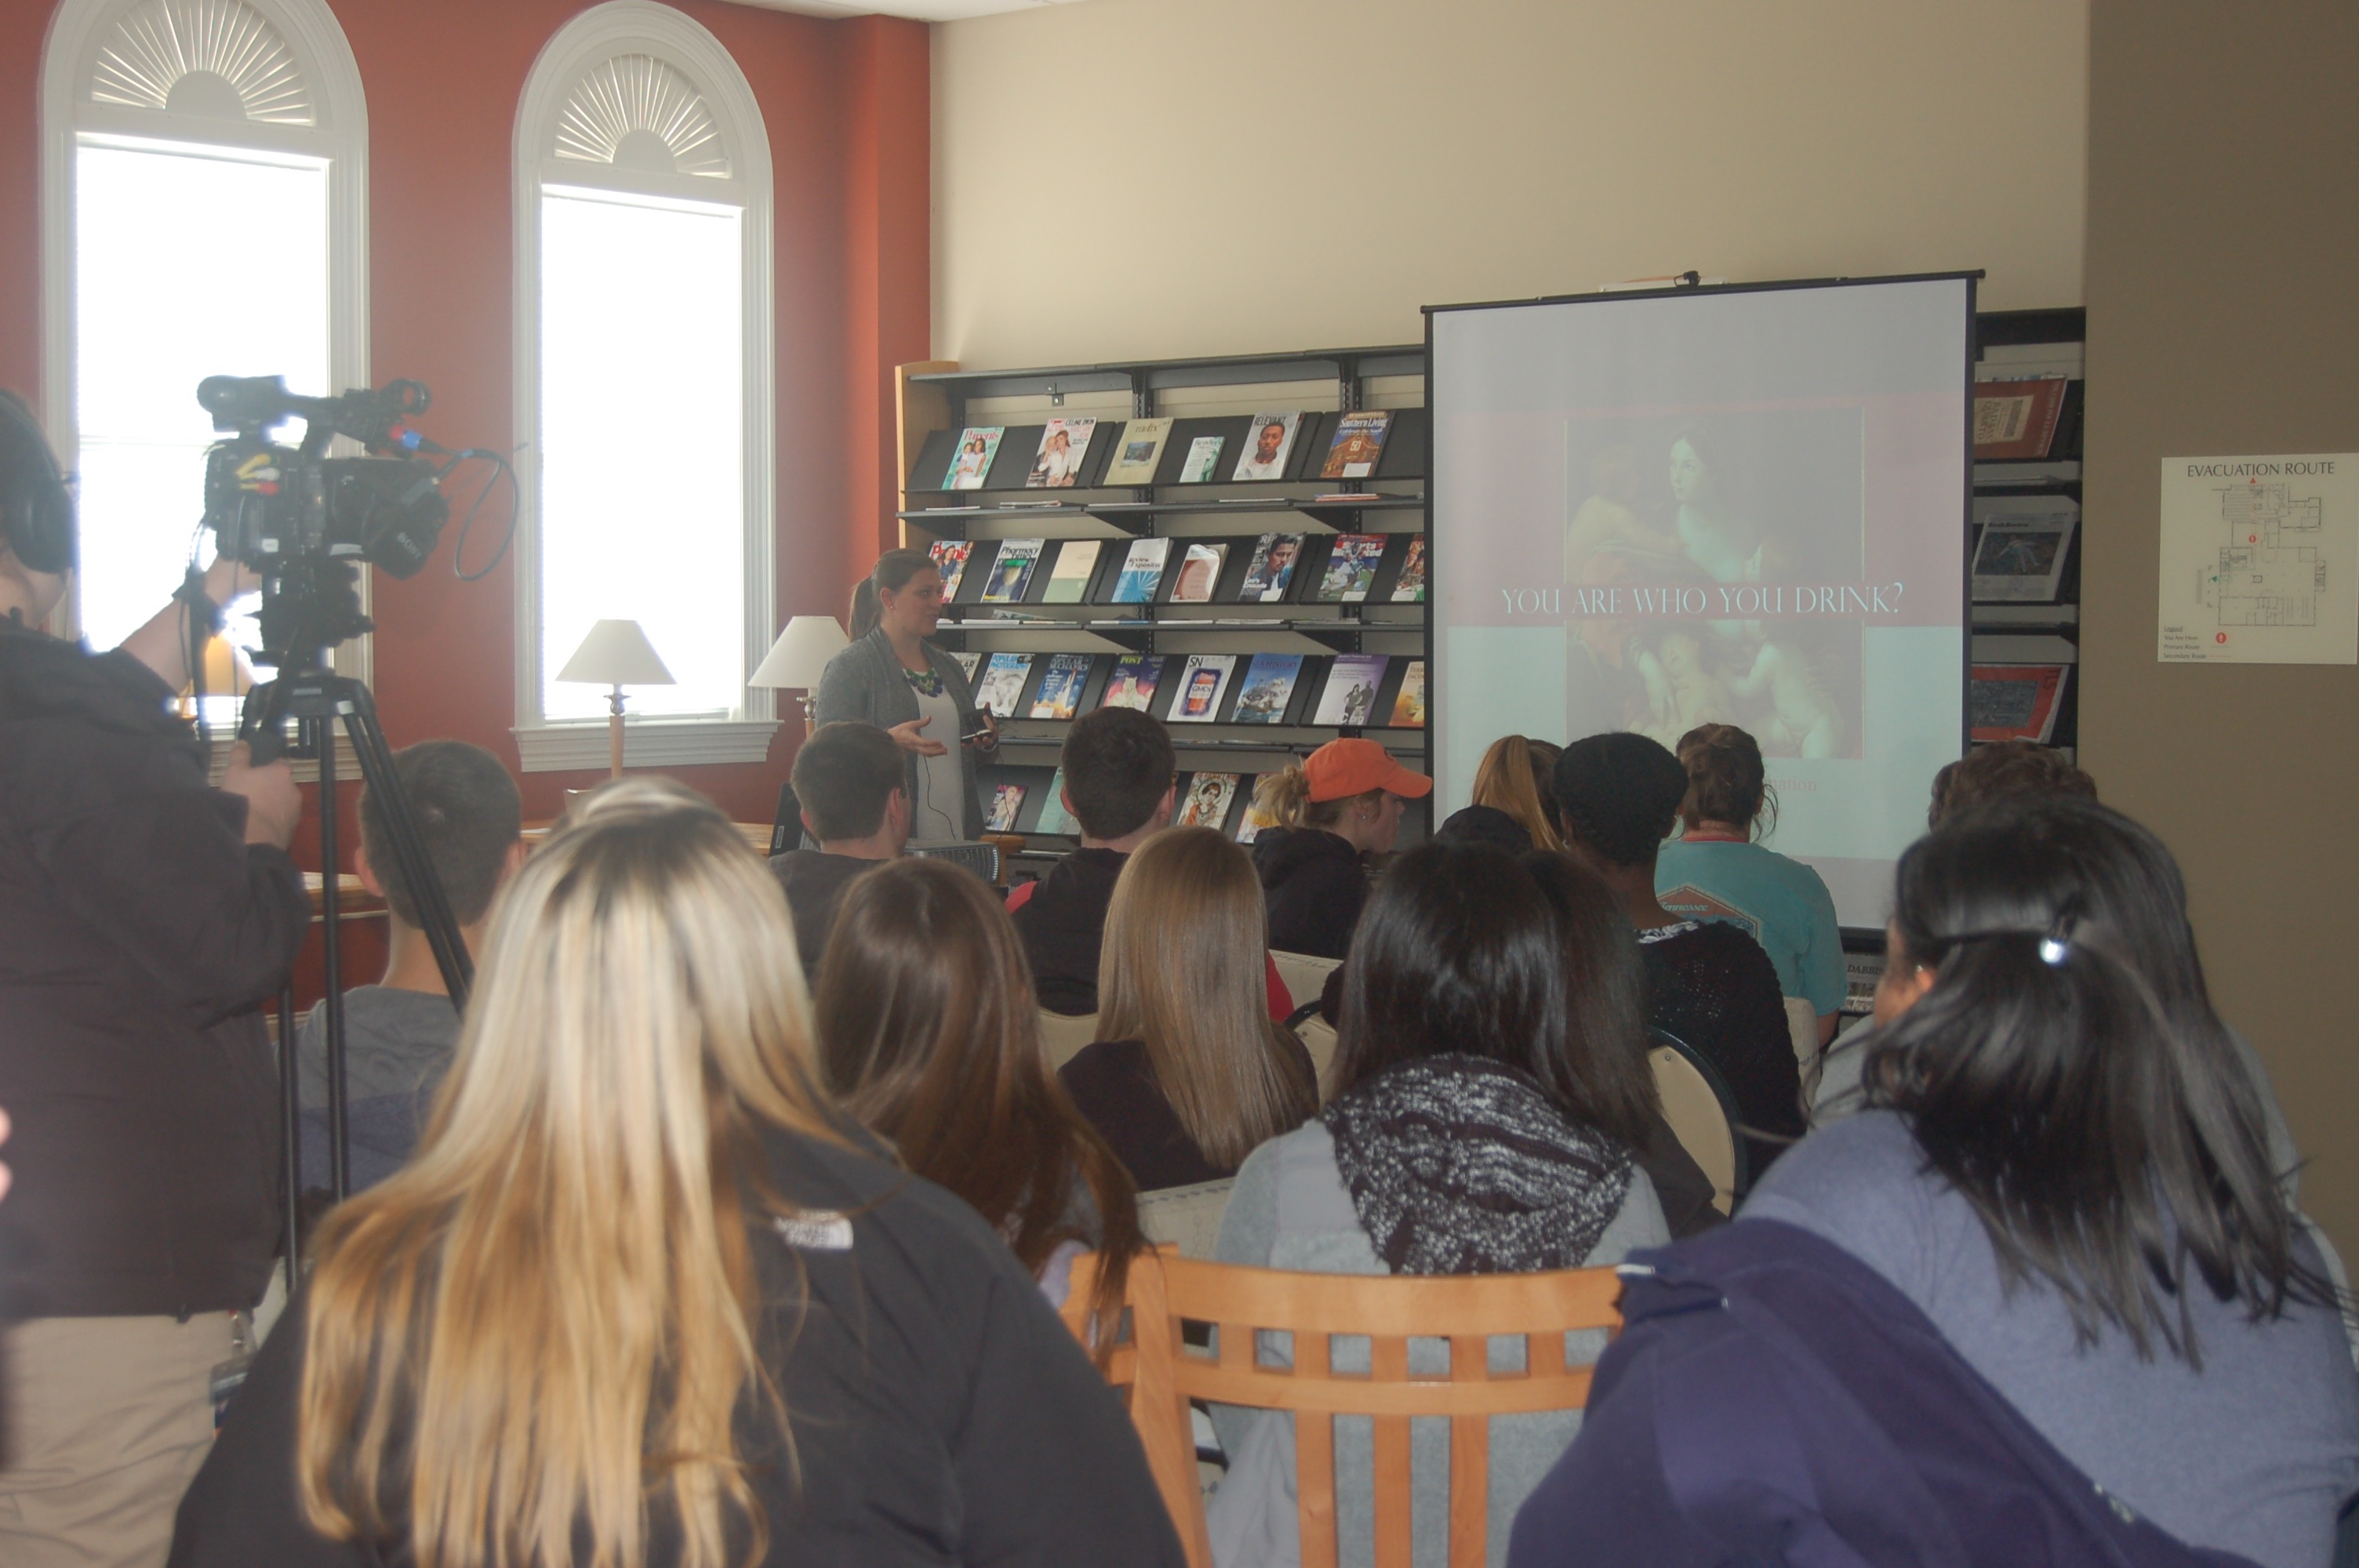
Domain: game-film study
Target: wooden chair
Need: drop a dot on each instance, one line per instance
(1164, 1373)
(1702, 1116)
(1186, 1217)
(1305, 976)
(1062, 1035)
(1803, 1025)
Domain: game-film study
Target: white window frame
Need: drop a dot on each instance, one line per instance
(79, 30)
(597, 35)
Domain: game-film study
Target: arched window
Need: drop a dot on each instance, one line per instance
(204, 211)
(643, 385)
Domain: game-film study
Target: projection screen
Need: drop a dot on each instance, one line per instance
(1735, 505)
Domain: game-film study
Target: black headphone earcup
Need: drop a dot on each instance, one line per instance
(37, 510)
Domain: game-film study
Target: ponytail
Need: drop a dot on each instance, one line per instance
(1283, 800)
(891, 574)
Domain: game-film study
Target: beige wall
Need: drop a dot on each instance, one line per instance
(2224, 226)
(1160, 177)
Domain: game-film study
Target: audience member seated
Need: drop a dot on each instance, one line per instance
(1715, 871)
(1515, 780)
(1710, 985)
(1119, 771)
(642, 1296)
(853, 787)
(1342, 801)
(931, 1037)
(2001, 770)
(2058, 1212)
(1483, 1122)
(400, 1032)
(1190, 1073)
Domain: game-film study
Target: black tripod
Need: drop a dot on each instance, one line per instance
(316, 699)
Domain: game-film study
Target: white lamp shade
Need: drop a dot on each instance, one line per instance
(801, 655)
(616, 653)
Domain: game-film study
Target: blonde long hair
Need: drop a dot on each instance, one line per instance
(1513, 778)
(535, 1336)
(1182, 968)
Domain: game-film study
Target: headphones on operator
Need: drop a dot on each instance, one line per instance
(37, 510)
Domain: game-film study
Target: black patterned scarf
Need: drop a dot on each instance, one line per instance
(1457, 1164)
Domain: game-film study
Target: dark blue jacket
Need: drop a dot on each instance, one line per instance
(1772, 1399)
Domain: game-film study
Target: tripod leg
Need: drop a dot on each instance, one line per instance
(291, 1126)
(324, 738)
(358, 710)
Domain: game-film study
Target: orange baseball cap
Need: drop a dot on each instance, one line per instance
(1342, 769)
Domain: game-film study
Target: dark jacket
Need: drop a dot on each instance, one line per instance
(815, 881)
(1113, 1084)
(137, 925)
(1713, 987)
(1772, 1399)
(864, 683)
(1314, 887)
(941, 1412)
(1062, 923)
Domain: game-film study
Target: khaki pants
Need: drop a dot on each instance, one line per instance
(107, 1418)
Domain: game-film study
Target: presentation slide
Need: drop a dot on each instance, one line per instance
(1716, 505)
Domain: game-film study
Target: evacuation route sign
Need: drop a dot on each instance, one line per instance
(2260, 560)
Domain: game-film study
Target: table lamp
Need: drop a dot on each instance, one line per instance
(617, 654)
(800, 656)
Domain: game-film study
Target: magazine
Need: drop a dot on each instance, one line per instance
(1006, 800)
(1054, 818)
(1351, 567)
(1271, 570)
(1199, 572)
(1139, 453)
(2024, 542)
(1204, 460)
(1269, 441)
(1359, 442)
(1351, 685)
(1203, 681)
(967, 662)
(1063, 444)
(1002, 683)
(1133, 683)
(1268, 688)
(1011, 574)
(970, 464)
(1249, 826)
(1210, 795)
(1141, 570)
(2015, 702)
(1409, 587)
(1060, 695)
(950, 559)
(1408, 704)
(1077, 563)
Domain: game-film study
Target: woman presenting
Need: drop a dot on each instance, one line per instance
(892, 677)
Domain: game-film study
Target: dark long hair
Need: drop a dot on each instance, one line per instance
(929, 1032)
(892, 572)
(1605, 1066)
(1460, 950)
(2067, 1075)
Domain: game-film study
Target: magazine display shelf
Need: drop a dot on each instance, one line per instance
(936, 400)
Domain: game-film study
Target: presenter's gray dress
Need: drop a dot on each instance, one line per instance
(865, 683)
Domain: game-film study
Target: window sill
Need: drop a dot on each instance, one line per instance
(646, 744)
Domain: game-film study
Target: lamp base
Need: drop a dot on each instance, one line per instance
(615, 733)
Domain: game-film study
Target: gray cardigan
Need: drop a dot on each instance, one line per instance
(864, 684)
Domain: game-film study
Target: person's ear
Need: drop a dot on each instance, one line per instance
(513, 861)
(896, 811)
(1169, 807)
(808, 826)
(366, 872)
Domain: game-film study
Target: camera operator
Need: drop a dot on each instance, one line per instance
(142, 915)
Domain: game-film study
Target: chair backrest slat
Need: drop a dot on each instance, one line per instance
(1470, 1450)
(1388, 1364)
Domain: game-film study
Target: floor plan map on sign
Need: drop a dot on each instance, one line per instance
(2260, 560)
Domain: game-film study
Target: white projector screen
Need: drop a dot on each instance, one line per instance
(1742, 505)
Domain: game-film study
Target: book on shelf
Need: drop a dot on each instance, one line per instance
(1068, 580)
(1409, 587)
(1006, 800)
(1249, 826)
(1003, 683)
(1269, 441)
(1271, 570)
(967, 663)
(1198, 574)
(2016, 420)
(1209, 797)
(1350, 695)
(1358, 442)
(1203, 681)
(1011, 573)
(1139, 452)
(1142, 569)
(1063, 444)
(1054, 818)
(2015, 702)
(1204, 460)
(1062, 685)
(1409, 703)
(1268, 688)
(1133, 682)
(950, 559)
(970, 459)
(1352, 563)
(2022, 546)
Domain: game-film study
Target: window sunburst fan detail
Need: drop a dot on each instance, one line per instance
(161, 43)
(634, 93)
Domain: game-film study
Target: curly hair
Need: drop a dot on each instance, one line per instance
(1619, 792)
(2001, 770)
(1727, 780)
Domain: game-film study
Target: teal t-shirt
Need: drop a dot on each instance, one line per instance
(1781, 904)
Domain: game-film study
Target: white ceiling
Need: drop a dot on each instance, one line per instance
(920, 10)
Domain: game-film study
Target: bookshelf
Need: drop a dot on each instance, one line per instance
(1202, 397)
